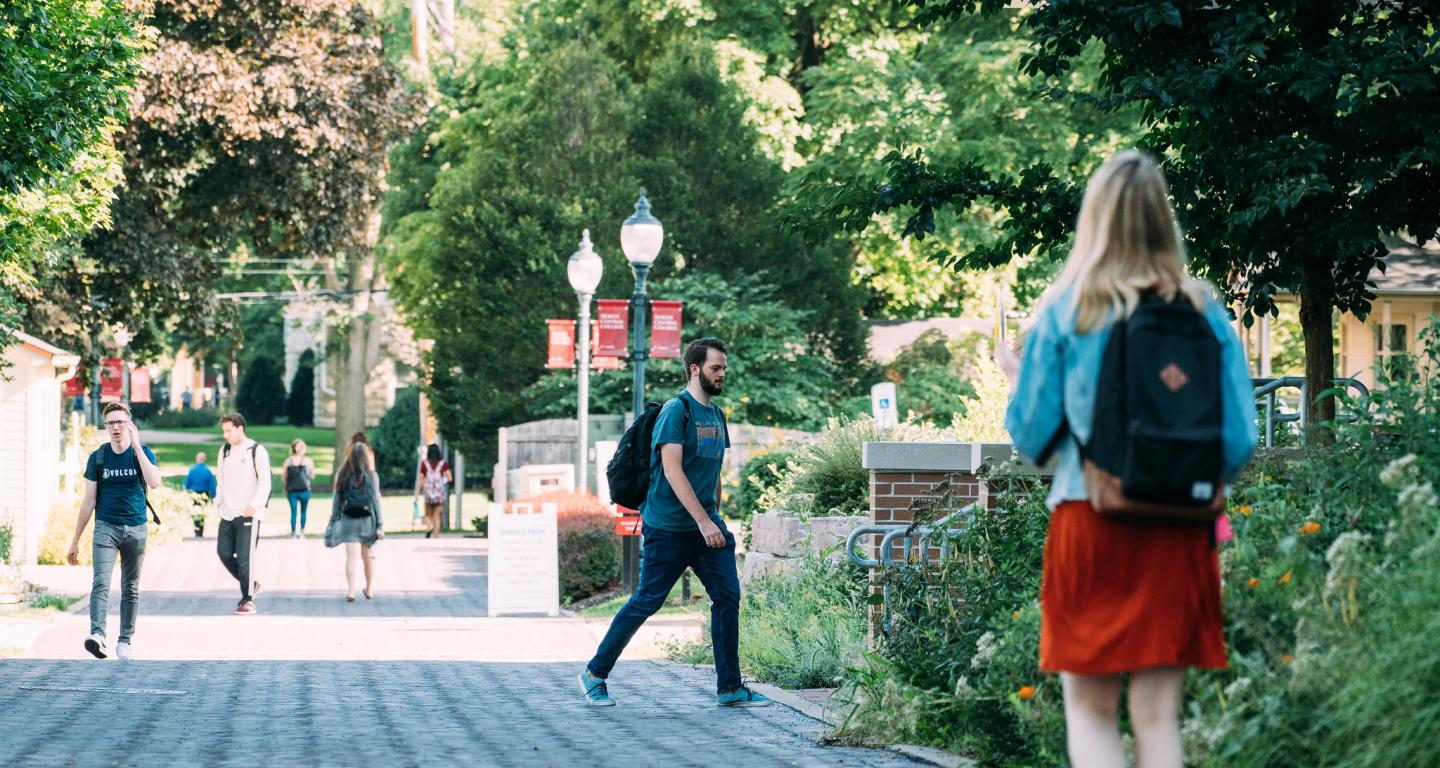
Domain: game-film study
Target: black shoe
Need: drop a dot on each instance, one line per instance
(427, 534)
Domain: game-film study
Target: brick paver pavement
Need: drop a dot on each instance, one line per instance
(417, 676)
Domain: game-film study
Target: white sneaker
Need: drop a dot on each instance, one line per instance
(123, 652)
(95, 644)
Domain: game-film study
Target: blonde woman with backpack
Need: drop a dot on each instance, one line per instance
(1134, 380)
(355, 519)
(432, 480)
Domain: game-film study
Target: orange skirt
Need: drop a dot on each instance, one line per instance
(1118, 597)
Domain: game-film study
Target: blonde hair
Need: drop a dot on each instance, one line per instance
(296, 445)
(1126, 243)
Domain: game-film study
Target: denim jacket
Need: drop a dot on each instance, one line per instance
(1058, 373)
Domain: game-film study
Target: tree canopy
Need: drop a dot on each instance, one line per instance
(558, 138)
(66, 69)
(1296, 137)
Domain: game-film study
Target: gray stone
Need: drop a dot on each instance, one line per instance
(759, 565)
(777, 534)
(828, 533)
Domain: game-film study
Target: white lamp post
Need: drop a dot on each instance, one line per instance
(640, 237)
(584, 270)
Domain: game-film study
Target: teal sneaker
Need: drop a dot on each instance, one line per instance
(596, 694)
(742, 697)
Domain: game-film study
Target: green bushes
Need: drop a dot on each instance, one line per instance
(1332, 593)
(261, 394)
(195, 417)
(1332, 606)
(300, 405)
(802, 629)
(826, 478)
(761, 473)
(397, 438)
(172, 505)
(957, 659)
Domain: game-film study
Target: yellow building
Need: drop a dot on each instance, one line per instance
(1407, 300)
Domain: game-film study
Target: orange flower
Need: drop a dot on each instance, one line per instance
(1286, 578)
(1245, 510)
(1253, 582)
(1287, 658)
(1026, 692)
(1310, 527)
(1015, 615)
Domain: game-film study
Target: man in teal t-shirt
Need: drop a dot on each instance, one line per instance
(116, 478)
(683, 529)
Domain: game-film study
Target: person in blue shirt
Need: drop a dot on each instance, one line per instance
(116, 478)
(200, 479)
(682, 529)
(1120, 598)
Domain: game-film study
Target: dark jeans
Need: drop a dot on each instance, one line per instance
(128, 541)
(666, 556)
(299, 500)
(236, 538)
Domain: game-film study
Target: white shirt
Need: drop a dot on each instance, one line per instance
(239, 483)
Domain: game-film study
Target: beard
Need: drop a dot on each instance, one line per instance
(711, 387)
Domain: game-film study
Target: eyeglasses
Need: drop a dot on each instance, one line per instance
(119, 423)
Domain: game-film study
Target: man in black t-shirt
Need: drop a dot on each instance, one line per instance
(116, 478)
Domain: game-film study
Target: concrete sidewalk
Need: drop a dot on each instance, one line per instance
(419, 676)
(430, 603)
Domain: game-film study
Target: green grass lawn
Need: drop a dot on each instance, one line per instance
(396, 511)
(176, 458)
(673, 604)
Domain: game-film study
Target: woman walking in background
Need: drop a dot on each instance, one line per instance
(433, 479)
(355, 517)
(1123, 596)
(299, 474)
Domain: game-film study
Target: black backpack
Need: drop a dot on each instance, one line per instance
(356, 500)
(1155, 452)
(628, 472)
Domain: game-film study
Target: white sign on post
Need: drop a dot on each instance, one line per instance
(604, 450)
(883, 406)
(524, 561)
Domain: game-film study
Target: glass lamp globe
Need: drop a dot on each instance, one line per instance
(585, 267)
(642, 234)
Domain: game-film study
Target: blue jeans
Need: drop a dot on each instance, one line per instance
(299, 500)
(128, 541)
(666, 555)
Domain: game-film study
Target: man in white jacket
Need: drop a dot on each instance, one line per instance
(242, 490)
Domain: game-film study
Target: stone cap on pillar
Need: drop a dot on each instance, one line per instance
(941, 456)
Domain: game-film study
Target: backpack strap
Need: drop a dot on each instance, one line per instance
(144, 489)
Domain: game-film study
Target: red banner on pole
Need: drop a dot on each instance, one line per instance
(562, 344)
(112, 380)
(140, 384)
(614, 320)
(601, 362)
(77, 385)
(665, 328)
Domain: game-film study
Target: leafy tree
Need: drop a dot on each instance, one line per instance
(261, 128)
(301, 403)
(396, 439)
(67, 68)
(261, 393)
(556, 139)
(1296, 137)
(770, 381)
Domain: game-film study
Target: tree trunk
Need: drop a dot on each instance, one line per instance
(1317, 296)
(354, 357)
